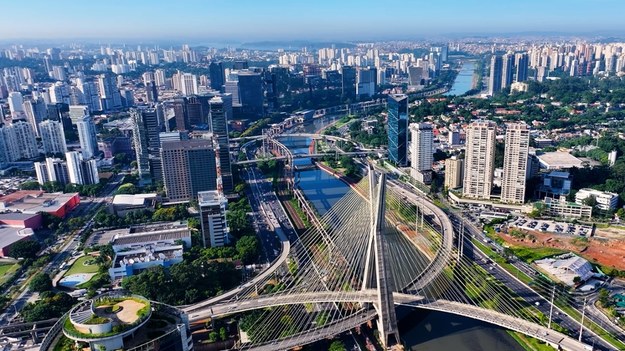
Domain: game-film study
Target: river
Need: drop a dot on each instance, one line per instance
(419, 329)
(464, 79)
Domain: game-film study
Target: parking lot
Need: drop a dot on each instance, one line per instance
(551, 227)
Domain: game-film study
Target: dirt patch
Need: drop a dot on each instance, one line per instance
(607, 252)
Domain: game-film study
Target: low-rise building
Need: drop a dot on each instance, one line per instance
(35, 201)
(559, 160)
(124, 203)
(140, 247)
(566, 209)
(554, 184)
(566, 267)
(605, 200)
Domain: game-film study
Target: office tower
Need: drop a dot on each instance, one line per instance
(220, 113)
(507, 70)
(189, 166)
(515, 161)
(212, 206)
(16, 104)
(521, 64)
(416, 75)
(397, 128)
(238, 65)
(216, 72)
(251, 93)
(36, 112)
(366, 82)
(81, 171)
(495, 78)
(348, 82)
(188, 84)
(454, 172)
(180, 114)
(198, 109)
(421, 153)
(87, 137)
(77, 112)
(479, 160)
(52, 137)
(110, 98)
(145, 136)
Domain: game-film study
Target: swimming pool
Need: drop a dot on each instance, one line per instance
(71, 281)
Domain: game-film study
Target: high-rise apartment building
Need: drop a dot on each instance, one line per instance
(479, 160)
(35, 111)
(16, 104)
(87, 136)
(110, 98)
(454, 172)
(397, 128)
(521, 65)
(52, 170)
(189, 166)
(496, 72)
(421, 155)
(80, 170)
(507, 70)
(20, 140)
(77, 112)
(515, 161)
(52, 137)
(212, 205)
(220, 113)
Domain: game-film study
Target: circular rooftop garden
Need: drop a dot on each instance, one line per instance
(107, 316)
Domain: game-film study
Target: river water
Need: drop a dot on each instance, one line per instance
(419, 329)
(464, 79)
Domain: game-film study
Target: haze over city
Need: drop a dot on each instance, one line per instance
(250, 20)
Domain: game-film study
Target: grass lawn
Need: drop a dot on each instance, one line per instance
(531, 254)
(80, 267)
(530, 344)
(6, 270)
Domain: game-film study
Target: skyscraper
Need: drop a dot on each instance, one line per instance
(189, 166)
(216, 72)
(421, 153)
(495, 78)
(52, 137)
(515, 161)
(348, 82)
(145, 136)
(212, 206)
(188, 84)
(397, 128)
(220, 113)
(454, 172)
(110, 98)
(87, 137)
(180, 114)
(479, 160)
(507, 70)
(251, 93)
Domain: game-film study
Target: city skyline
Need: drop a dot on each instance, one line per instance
(206, 22)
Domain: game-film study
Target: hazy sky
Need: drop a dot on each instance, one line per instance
(251, 20)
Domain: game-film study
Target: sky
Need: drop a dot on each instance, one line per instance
(258, 20)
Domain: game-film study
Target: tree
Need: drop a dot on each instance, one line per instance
(32, 185)
(248, 248)
(604, 297)
(24, 249)
(40, 283)
(337, 345)
(223, 334)
(590, 201)
(127, 188)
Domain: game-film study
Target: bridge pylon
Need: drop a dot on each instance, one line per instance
(376, 250)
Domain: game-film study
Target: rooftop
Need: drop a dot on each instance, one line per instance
(33, 201)
(560, 160)
(10, 235)
(132, 200)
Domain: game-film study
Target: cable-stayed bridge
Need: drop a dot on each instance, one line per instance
(378, 247)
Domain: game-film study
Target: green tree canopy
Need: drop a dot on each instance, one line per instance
(40, 283)
(24, 249)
